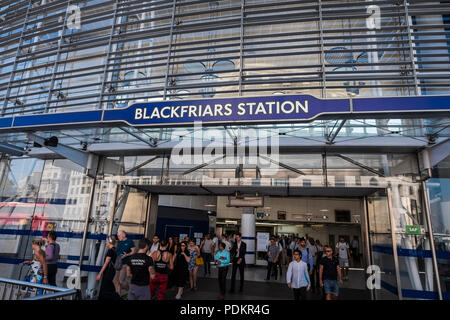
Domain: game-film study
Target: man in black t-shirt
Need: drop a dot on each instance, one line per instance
(140, 270)
(328, 273)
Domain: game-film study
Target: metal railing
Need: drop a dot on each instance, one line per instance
(21, 290)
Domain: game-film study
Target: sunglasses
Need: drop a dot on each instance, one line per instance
(329, 251)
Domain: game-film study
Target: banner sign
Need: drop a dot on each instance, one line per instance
(242, 110)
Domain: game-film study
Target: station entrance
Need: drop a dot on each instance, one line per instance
(373, 193)
(368, 216)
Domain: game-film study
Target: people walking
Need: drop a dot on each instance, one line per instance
(343, 253)
(329, 273)
(125, 248)
(319, 255)
(280, 257)
(291, 248)
(237, 254)
(163, 262)
(222, 260)
(38, 273)
(181, 272)
(171, 246)
(206, 247)
(215, 245)
(355, 250)
(226, 243)
(194, 252)
(108, 272)
(306, 254)
(313, 250)
(273, 253)
(141, 271)
(155, 244)
(51, 257)
(297, 276)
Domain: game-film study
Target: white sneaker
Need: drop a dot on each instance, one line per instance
(178, 297)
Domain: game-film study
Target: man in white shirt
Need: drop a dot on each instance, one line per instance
(297, 276)
(343, 252)
(215, 244)
(206, 248)
(155, 245)
(226, 242)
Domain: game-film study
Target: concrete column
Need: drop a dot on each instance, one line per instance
(152, 215)
(248, 234)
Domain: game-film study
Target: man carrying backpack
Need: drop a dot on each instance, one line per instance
(51, 258)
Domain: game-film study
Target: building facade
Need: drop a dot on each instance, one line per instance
(64, 57)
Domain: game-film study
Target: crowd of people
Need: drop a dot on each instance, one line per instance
(147, 271)
(311, 266)
(43, 267)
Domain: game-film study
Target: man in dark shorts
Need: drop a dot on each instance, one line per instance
(328, 274)
(140, 270)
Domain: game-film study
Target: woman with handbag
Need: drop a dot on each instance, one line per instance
(194, 254)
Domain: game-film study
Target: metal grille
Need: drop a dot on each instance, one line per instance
(138, 51)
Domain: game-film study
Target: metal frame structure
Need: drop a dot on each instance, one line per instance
(86, 77)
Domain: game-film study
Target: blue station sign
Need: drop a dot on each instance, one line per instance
(241, 110)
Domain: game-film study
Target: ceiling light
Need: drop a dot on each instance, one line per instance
(324, 210)
(210, 205)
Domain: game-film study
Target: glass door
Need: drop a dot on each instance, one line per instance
(381, 246)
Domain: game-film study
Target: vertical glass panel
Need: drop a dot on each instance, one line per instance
(414, 255)
(21, 217)
(380, 239)
(438, 190)
(64, 195)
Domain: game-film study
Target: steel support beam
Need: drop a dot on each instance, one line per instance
(153, 145)
(11, 149)
(203, 165)
(280, 164)
(87, 160)
(331, 140)
(430, 157)
(141, 165)
(356, 163)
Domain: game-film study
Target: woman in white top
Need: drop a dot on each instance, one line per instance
(297, 276)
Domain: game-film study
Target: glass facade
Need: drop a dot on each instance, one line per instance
(108, 54)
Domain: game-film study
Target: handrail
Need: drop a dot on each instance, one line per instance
(56, 295)
(33, 285)
(17, 285)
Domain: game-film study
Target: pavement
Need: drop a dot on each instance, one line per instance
(256, 288)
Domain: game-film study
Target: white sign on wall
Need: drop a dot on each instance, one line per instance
(182, 236)
(262, 239)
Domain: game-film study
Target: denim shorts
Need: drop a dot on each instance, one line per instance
(331, 287)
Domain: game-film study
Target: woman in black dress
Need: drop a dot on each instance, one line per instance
(107, 288)
(180, 272)
(172, 248)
